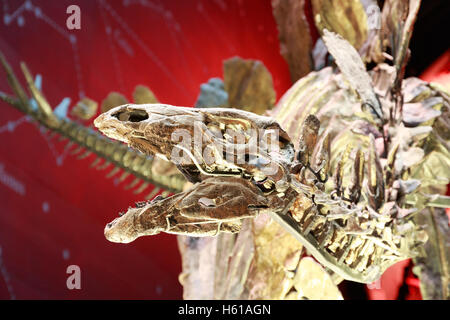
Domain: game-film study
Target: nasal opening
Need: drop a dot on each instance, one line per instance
(135, 115)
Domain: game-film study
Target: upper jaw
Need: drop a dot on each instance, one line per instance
(158, 129)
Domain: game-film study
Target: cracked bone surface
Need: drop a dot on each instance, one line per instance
(357, 239)
(385, 138)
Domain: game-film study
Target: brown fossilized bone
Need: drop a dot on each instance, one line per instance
(355, 238)
(361, 192)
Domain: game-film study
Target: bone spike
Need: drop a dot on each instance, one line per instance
(95, 162)
(308, 225)
(10, 100)
(141, 188)
(308, 139)
(53, 134)
(132, 184)
(42, 103)
(165, 193)
(339, 173)
(77, 150)
(322, 158)
(357, 177)
(344, 253)
(104, 165)
(68, 146)
(390, 169)
(84, 155)
(15, 85)
(375, 178)
(112, 172)
(124, 176)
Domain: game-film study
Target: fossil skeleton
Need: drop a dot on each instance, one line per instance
(347, 183)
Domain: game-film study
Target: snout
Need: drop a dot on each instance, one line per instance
(120, 231)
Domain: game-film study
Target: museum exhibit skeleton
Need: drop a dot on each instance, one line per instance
(354, 177)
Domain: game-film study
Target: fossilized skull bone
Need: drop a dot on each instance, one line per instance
(237, 176)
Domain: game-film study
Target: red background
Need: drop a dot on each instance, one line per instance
(58, 220)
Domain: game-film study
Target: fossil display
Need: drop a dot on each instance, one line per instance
(349, 167)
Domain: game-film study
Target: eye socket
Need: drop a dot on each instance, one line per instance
(131, 116)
